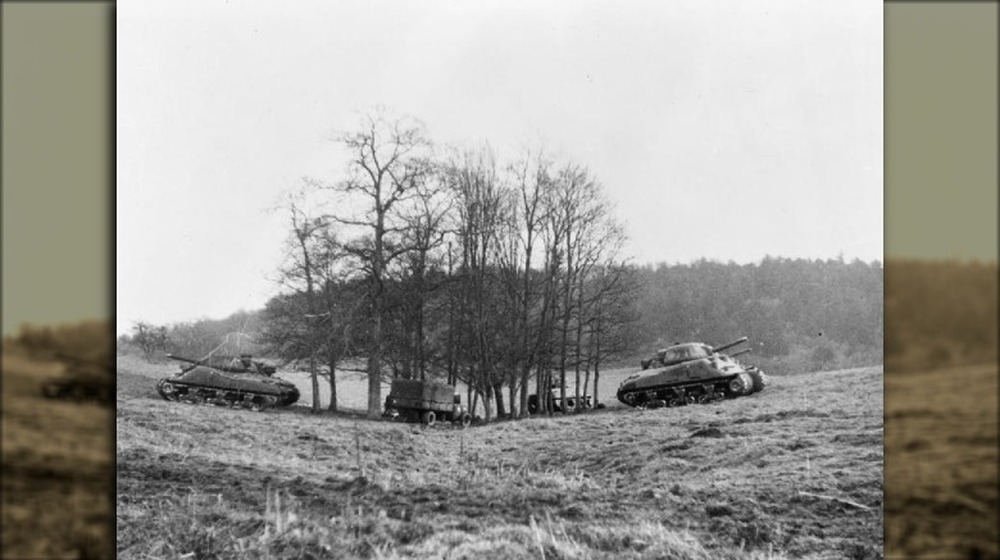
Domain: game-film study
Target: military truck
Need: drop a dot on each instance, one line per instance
(413, 400)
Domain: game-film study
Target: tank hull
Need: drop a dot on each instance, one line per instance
(81, 380)
(247, 390)
(80, 390)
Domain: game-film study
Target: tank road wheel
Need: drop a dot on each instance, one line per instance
(257, 405)
(194, 397)
(429, 418)
(167, 390)
(737, 388)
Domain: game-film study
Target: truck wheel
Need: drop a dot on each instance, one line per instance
(466, 419)
(430, 418)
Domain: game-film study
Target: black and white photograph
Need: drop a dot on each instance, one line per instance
(554, 280)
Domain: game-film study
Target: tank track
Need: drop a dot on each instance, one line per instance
(78, 392)
(695, 392)
(173, 390)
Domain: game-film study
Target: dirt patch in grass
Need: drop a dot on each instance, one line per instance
(941, 484)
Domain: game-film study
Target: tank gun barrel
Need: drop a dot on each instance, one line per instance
(194, 363)
(183, 359)
(740, 353)
(76, 359)
(718, 349)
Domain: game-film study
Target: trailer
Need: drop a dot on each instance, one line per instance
(413, 400)
(555, 400)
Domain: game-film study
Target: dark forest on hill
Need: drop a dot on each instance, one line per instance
(799, 314)
(940, 313)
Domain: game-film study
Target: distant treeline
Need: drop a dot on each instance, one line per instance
(939, 313)
(91, 340)
(800, 315)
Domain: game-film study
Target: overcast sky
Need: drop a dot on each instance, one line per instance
(57, 204)
(728, 130)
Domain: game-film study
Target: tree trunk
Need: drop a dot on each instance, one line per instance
(375, 369)
(513, 396)
(539, 395)
(487, 404)
(526, 351)
(567, 297)
(314, 377)
(375, 356)
(452, 366)
(498, 397)
(333, 385)
(597, 354)
(579, 339)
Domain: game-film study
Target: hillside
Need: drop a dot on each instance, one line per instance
(941, 479)
(794, 471)
(57, 463)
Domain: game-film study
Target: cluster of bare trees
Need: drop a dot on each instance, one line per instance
(505, 276)
(89, 340)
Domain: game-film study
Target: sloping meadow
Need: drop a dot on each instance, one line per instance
(941, 485)
(57, 460)
(794, 471)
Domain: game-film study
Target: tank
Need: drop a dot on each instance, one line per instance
(81, 380)
(237, 382)
(691, 372)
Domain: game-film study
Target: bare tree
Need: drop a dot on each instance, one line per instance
(426, 216)
(388, 161)
(296, 337)
(475, 182)
(150, 338)
(531, 179)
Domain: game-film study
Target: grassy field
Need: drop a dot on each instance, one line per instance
(941, 481)
(57, 465)
(792, 472)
